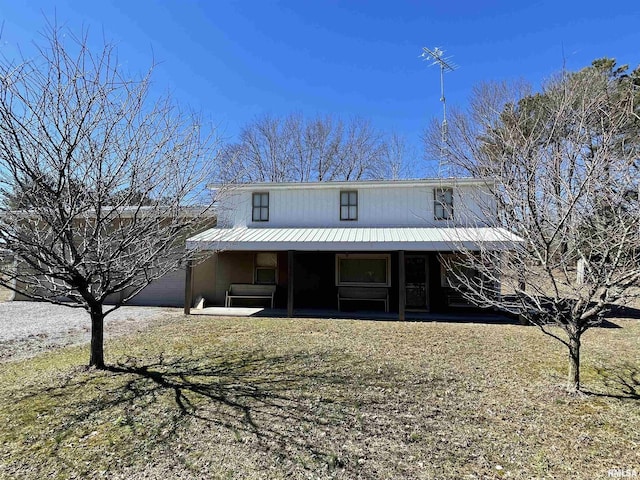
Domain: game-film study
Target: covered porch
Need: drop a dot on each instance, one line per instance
(338, 271)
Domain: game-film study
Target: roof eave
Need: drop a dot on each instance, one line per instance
(426, 182)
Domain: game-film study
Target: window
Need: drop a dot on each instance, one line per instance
(443, 203)
(362, 269)
(458, 275)
(453, 268)
(260, 207)
(266, 265)
(348, 205)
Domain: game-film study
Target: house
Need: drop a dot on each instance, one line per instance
(344, 245)
(167, 290)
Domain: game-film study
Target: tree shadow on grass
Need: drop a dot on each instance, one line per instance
(623, 311)
(623, 382)
(279, 404)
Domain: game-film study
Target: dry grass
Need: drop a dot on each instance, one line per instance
(278, 398)
(5, 294)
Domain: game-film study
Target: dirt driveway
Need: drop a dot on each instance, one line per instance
(29, 328)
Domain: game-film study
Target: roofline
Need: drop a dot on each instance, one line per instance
(125, 211)
(393, 239)
(418, 182)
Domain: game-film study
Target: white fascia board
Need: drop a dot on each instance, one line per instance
(427, 182)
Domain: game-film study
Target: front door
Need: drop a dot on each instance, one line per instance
(416, 282)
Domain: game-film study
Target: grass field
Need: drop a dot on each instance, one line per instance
(295, 398)
(5, 294)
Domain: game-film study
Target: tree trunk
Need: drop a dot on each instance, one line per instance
(573, 381)
(97, 337)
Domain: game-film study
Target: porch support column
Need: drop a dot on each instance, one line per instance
(402, 290)
(188, 293)
(290, 283)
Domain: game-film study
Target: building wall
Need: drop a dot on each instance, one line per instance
(401, 205)
(167, 291)
(203, 279)
(212, 277)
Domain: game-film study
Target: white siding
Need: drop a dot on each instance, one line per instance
(379, 206)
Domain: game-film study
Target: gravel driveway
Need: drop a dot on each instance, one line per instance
(28, 328)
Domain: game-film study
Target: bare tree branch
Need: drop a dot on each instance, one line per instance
(296, 149)
(99, 184)
(564, 165)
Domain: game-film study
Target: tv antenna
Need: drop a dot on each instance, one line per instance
(437, 57)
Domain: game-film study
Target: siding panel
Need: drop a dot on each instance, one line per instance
(386, 205)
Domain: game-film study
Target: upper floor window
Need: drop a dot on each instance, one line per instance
(443, 203)
(349, 205)
(260, 207)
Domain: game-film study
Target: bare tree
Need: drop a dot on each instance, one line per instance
(108, 183)
(320, 149)
(563, 173)
(396, 162)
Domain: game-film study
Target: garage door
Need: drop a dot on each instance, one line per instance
(167, 291)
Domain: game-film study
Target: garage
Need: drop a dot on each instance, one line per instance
(167, 291)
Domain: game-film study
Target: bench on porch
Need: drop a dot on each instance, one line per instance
(375, 294)
(249, 291)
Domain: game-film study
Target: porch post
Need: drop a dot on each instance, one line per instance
(402, 290)
(188, 294)
(290, 283)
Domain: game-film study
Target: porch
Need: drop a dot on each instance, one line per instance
(313, 284)
(311, 268)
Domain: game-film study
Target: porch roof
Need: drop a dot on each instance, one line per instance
(354, 239)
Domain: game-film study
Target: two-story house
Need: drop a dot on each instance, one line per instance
(344, 245)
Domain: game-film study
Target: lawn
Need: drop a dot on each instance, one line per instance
(206, 397)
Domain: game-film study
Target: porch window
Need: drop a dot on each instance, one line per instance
(266, 265)
(443, 203)
(453, 269)
(349, 205)
(363, 269)
(260, 207)
(453, 273)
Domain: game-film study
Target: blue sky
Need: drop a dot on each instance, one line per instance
(236, 60)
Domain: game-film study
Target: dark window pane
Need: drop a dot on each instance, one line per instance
(260, 211)
(443, 203)
(266, 275)
(363, 270)
(348, 205)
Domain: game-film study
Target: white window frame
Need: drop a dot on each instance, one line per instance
(363, 256)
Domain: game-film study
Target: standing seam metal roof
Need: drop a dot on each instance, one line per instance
(353, 239)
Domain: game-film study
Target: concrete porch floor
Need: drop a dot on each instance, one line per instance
(360, 314)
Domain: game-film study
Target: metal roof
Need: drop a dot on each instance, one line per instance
(353, 239)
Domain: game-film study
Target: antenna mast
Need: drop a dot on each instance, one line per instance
(436, 56)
